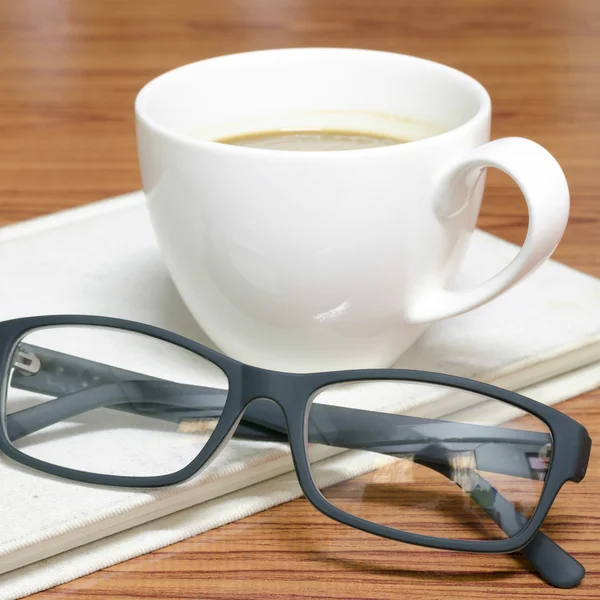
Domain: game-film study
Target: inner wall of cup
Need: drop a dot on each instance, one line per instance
(308, 88)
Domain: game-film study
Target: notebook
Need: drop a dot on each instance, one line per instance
(542, 337)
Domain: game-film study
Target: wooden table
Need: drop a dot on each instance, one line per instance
(69, 70)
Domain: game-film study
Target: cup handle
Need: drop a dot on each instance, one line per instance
(543, 183)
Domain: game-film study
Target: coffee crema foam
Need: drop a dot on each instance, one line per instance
(322, 140)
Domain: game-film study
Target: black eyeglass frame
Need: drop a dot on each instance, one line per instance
(293, 393)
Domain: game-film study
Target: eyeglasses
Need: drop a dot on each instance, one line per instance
(113, 402)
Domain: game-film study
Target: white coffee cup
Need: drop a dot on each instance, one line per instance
(304, 261)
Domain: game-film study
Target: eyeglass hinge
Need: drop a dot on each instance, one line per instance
(27, 362)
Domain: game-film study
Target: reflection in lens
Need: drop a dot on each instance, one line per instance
(459, 476)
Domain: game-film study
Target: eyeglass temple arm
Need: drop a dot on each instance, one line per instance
(554, 564)
(497, 449)
(493, 449)
(68, 373)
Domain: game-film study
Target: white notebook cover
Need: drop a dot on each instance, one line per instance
(544, 335)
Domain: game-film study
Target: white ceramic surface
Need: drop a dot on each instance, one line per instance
(305, 261)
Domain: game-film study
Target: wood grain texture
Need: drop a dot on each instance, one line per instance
(69, 72)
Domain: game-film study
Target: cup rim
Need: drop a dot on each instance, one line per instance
(142, 112)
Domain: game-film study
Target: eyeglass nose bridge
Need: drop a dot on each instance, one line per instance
(262, 383)
(290, 391)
